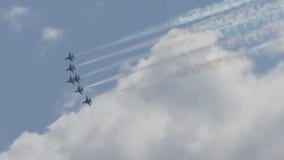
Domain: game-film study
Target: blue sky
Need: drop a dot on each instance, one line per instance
(37, 35)
(32, 84)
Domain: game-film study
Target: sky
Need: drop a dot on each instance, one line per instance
(169, 79)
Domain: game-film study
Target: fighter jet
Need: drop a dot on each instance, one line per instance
(88, 101)
(71, 80)
(79, 90)
(71, 68)
(70, 57)
(77, 78)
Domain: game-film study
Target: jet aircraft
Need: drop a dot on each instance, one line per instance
(71, 80)
(77, 78)
(70, 57)
(71, 68)
(79, 90)
(88, 101)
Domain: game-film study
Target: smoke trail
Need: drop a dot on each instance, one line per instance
(195, 68)
(254, 34)
(253, 14)
(117, 64)
(244, 39)
(169, 59)
(190, 16)
(129, 49)
(113, 78)
(247, 11)
(265, 46)
(120, 52)
(252, 23)
(209, 65)
(250, 37)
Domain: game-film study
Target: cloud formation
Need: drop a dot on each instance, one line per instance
(224, 112)
(16, 16)
(52, 34)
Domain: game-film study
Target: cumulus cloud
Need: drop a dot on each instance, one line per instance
(51, 34)
(223, 112)
(16, 16)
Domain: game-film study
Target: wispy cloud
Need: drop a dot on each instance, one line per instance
(16, 16)
(52, 34)
(50, 37)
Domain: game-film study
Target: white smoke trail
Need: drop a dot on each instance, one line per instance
(268, 46)
(255, 36)
(120, 52)
(190, 16)
(253, 13)
(195, 68)
(117, 76)
(257, 22)
(110, 79)
(252, 36)
(209, 65)
(117, 64)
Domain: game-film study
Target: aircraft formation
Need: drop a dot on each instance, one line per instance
(75, 78)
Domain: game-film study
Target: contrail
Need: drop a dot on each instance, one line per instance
(259, 34)
(190, 16)
(120, 52)
(253, 14)
(257, 22)
(206, 66)
(268, 15)
(117, 64)
(195, 68)
(251, 36)
(135, 58)
(263, 46)
(124, 51)
(255, 36)
(113, 78)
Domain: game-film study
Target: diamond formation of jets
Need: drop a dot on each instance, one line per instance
(76, 78)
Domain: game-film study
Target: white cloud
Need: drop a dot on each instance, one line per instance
(18, 11)
(225, 112)
(50, 38)
(16, 17)
(51, 34)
